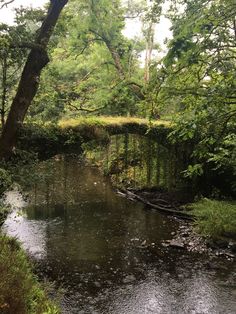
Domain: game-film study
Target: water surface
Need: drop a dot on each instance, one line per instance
(106, 252)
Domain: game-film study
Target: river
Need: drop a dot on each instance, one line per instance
(104, 253)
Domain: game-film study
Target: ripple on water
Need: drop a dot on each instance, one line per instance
(105, 251)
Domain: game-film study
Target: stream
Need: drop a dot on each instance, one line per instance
(104, 253)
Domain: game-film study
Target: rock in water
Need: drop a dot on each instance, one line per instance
(177, 244)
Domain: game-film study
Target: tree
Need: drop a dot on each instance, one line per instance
(103, 22)
(149, 21)
(14, 43)
(29, 82)
(82, 77)
(199, 74)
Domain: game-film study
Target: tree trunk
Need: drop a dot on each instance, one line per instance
(116, 59)
(29, 81)
(135, 88)
(149, 49)
(4, 90)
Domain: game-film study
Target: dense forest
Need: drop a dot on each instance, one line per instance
(71, 79)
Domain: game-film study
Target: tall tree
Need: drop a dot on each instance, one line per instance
(149, 23)
(103, 22)
(29, 82)
(82, 76)
(14, 43)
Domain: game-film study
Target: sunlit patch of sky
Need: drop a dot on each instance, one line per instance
(162, 31)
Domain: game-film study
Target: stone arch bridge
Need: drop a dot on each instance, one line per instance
(69, 135)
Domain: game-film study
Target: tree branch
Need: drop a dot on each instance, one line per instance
(80, 108)
(5, 3)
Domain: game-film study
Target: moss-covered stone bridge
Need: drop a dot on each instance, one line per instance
(70, 134)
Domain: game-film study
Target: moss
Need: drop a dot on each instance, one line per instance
(20, 293)
(93, 127)
(215, 218)
(110, 121)
(69, 135)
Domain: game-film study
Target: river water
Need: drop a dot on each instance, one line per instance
(105, 254)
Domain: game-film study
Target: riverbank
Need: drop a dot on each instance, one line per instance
(207, 226)
(20, 291)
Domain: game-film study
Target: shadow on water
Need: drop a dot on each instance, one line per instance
(106, 251)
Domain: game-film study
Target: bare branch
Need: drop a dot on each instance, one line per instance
(80, 108)
(4, 3)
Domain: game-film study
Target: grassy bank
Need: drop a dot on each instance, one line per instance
(214, 218)
(20, 293)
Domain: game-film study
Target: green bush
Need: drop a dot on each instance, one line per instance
(19, 291)
(215, 218)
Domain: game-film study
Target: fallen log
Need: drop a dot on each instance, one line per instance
(177, 213)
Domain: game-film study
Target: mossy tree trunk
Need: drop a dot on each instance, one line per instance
(29, 82)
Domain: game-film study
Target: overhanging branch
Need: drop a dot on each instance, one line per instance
(5, 3)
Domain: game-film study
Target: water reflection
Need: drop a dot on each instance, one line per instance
(137, 161)
(167, 296)
(106, 251)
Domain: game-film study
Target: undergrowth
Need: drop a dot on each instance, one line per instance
(20, 293)
(215, 218)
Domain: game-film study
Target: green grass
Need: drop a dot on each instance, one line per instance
(215, 218)
(20, 293)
